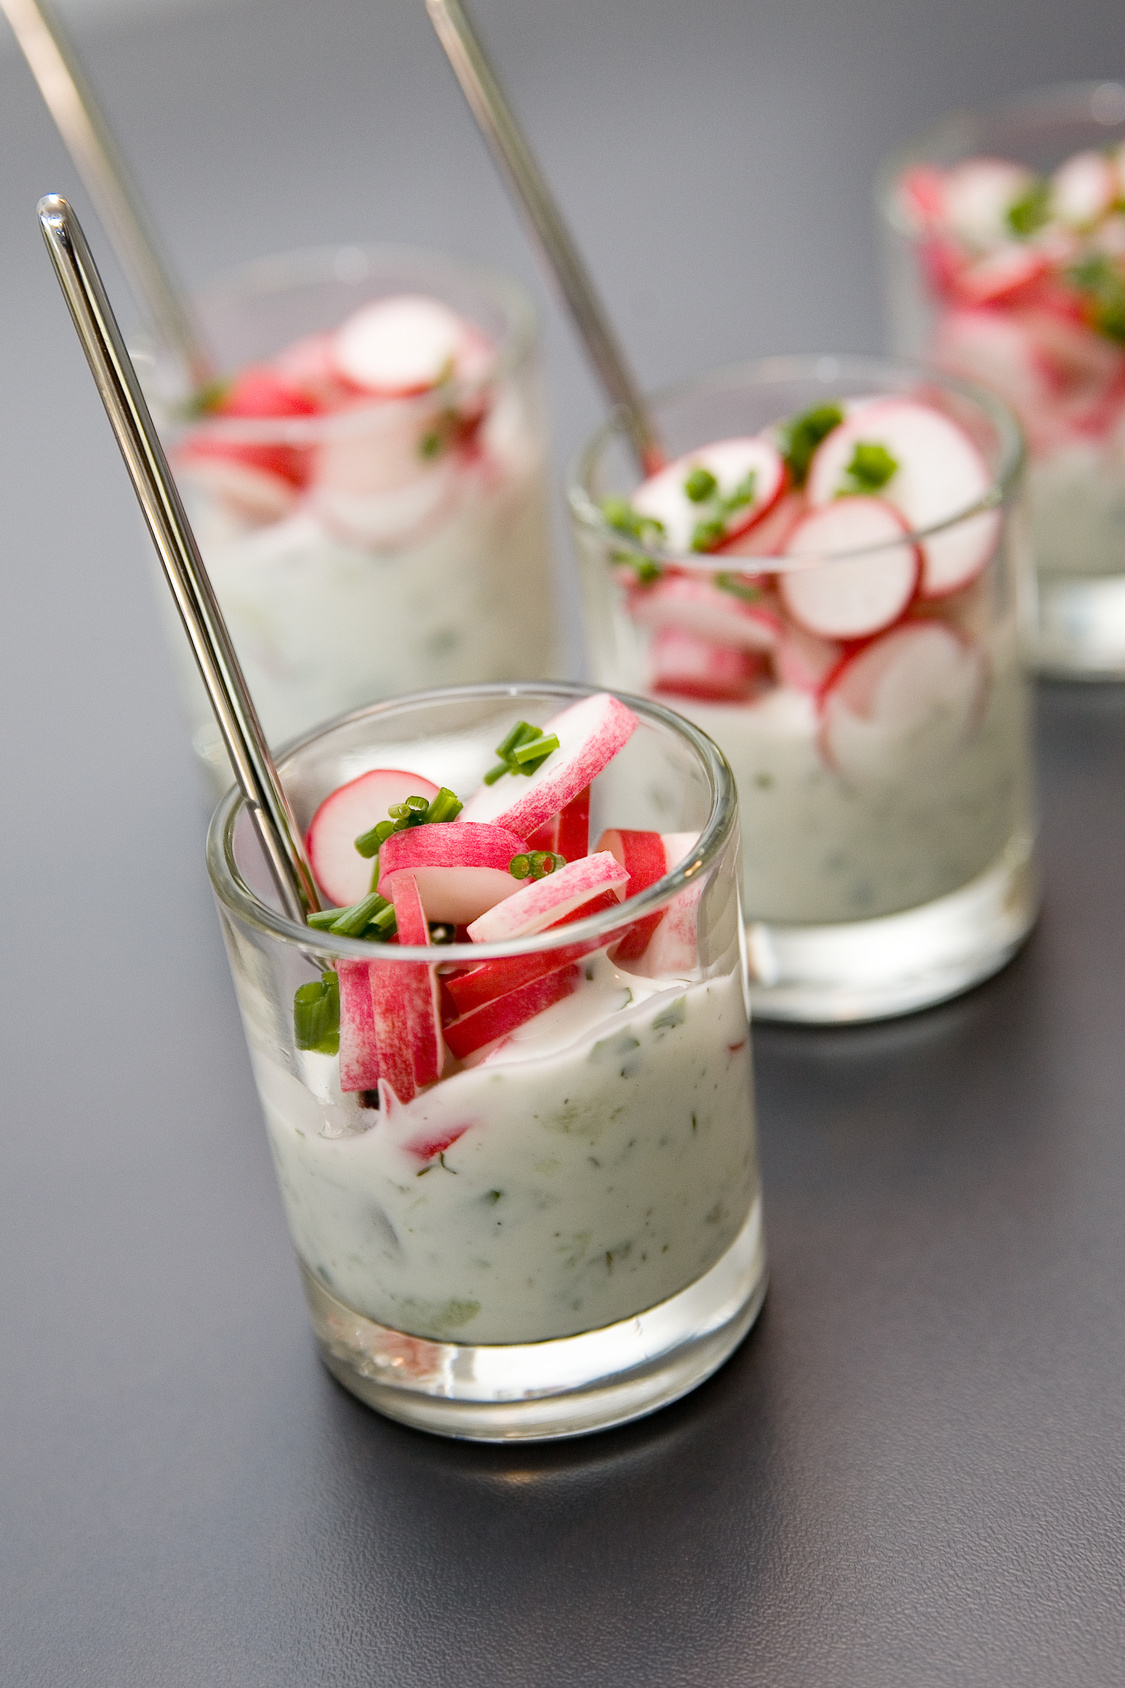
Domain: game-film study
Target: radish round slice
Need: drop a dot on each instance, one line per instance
(460, 870)
(697, 606)
(978, 196)
(906, 701)
(1083, 189)
(590, 733)
(1000, 274)
(406, 345)
(338, 868)
(851, 596)
(664, 495)
(544, 902)
(683, 665)
(940, 473)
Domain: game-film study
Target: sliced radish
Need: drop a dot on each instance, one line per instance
(921, 195)
(405, 1003)
(854, 595)
(907, 700)
(806, 662)
(1083, 189)
(359, 1047)
(643, 857)
(673, 946)
(684, 665)
(266, 391)
(767, 537)
(261, 482)
(468, 991)
(1001, 275)
(590, 733)
(664, 496)
(341, 872)
(459, 870)
(978, 196)
(568, 832)
(993, 347)
(543, 902)
(940, 473)
(310, 366)
(699, 607)
(505, 1013)
(405, 345)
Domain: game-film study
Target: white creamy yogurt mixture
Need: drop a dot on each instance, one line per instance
(322, 626)
(819, 847)
(599, 1160)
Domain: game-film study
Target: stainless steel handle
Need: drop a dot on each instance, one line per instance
(179, 554)
(528, 186)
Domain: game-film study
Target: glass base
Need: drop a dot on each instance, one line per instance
(871, 969)
(1081, 628)
(546, 1390)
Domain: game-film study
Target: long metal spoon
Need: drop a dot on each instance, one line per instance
(55, 67)
(179, 554)
(556, 246)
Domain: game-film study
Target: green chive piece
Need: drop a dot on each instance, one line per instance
(706, 535)
(799, 437)
(322, 919)
(316, 1015)
(743, 493)
(871, 467)
(350, 922)
(398, 811)
(1031, 210)
(446, 806)
(417, 805)
(1102, 283)
(368, 842)
(441, 932)
(700, 485)
(738, 587)
(384, 922)
(619, 514)
(520, 866)
(539, 748)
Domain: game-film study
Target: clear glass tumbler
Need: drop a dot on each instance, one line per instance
(1037, 314)
(885, 784)
(565, 1234)
(391, 545)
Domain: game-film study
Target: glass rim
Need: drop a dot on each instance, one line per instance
(823, 366)
(1059, 102)
(237, 898)
(305, 266)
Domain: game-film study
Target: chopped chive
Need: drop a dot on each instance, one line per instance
(519, 867)
(540, 747)
(398, 811)
(368, 842)
(706, 535)
(384, 922)
(316, 1015)
(323, 918)
(1031, 210)
(799, 437)
(441, 932)
(535, 864)
(446, 806)
(738, 587)
(871, 467)
(350, 922)
(700, 485)
(417, 805)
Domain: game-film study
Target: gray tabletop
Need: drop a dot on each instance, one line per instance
(914, 1470)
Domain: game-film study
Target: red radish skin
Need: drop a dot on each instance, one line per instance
(543, 902)
(460, 871)
(940, 473)
(642, 856)
(662, 496)
(682, 665)
(405, 1003)
(505, 1013)
(767, 538)
(673, 947)
(262, 391)
(590, 734)
(568, 832)
(467, 991)
(428, 1148)
(359, 1049)
(262, 482)
(352, 809)
(698, 607)
(862, 591)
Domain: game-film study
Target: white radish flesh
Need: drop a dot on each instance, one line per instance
(590, 733)
(351, 810)
(663, 495)
(854, 595)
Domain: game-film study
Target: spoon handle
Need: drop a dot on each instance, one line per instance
(86, 135)
(171, 532)
(529, 187)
